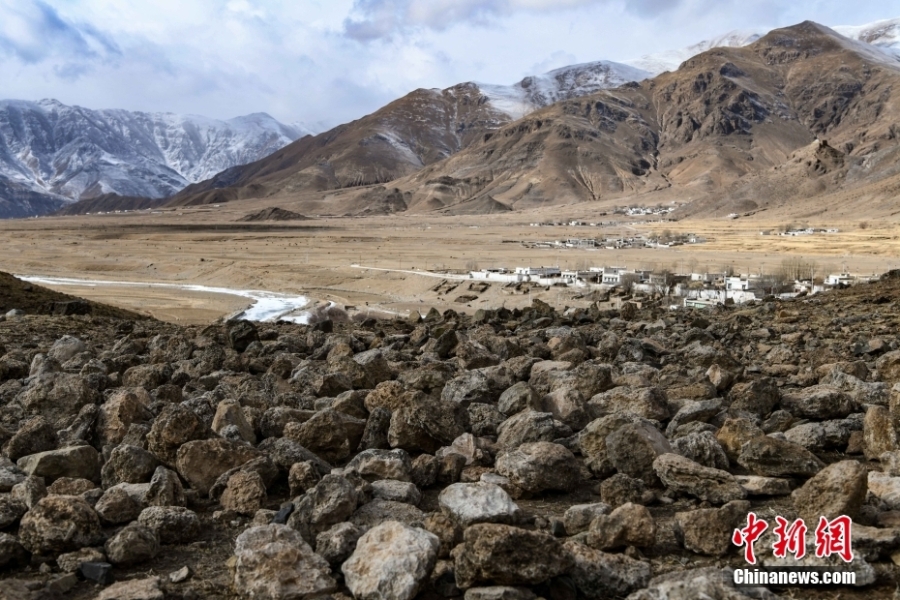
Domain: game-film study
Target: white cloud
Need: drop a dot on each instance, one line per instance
(336, 60)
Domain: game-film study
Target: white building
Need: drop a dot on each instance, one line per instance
(538, 271)
(737, 284)
(838, 279)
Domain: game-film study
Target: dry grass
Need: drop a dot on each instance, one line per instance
(207, 246)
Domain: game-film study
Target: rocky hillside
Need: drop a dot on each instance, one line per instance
(719, 131)
(61, 153)
(594, 453)
(740, 107)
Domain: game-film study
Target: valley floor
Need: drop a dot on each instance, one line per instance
(322, 258)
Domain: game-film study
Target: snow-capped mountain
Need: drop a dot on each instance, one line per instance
(537, 91)
(573, 81)
(884, 35)
(68, 152)
(671, 59)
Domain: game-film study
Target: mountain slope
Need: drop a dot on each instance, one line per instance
(730, 121)
(66, 153)
(574, 81)
(419, 129)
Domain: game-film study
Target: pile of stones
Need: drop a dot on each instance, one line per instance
(508, 455)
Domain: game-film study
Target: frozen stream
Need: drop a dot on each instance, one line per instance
(267, 306)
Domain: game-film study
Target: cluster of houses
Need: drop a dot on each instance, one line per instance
(695, 289)
(804, 231)
(639, 211)
(573, 223)
(620, 243)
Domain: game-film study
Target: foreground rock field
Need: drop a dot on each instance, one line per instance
(511, 455)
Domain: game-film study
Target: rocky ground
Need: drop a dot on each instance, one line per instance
(509, 455)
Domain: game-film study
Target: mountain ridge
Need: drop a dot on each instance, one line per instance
(67, 153)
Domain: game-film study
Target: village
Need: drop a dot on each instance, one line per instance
(692, 290)
(665, 239)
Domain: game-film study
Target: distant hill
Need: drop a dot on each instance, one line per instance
(273, 214)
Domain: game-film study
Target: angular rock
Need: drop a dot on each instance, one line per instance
(379, 511)
(470, 503)
(165, 489)
(120, 411)
(229, 414)
(201, 462)
(621, 489)
(759, 396)
(34, 436)
(598, 575)
(633, 447)
(734, 433)
(70, 562)
(337, 543)
(520, 396)
(709, 530)
(241, 334)
(331, 501)
(392, 489)
(377, 464)
(819, 402)
(755, 485)
(133, 589)
(275, 562)
(530, 426)
(648, 403)
(245, 493)
(540, 466)
(499, 592)
(116, 506)
(59, 524)
(702, 448)
(302, 477)
(422, 424)
(11, 510)
(592, 441)
(628, 525)
(508, 555)
(29, 491)
(568, 406)
(128, 464)
(580, 516)
(838, 489)
(391, 562)
(706, 582)
(879, 433)
(681, 474)
(72, 461)
(174, 426)
(771, 457)
(134, 544)
(172, 524)
(886, 488)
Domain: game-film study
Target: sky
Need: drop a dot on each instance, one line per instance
(325, 62)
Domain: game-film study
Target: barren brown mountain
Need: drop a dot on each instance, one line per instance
(419, 129)
(801, 113)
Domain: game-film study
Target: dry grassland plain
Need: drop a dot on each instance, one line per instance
(378, 263)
